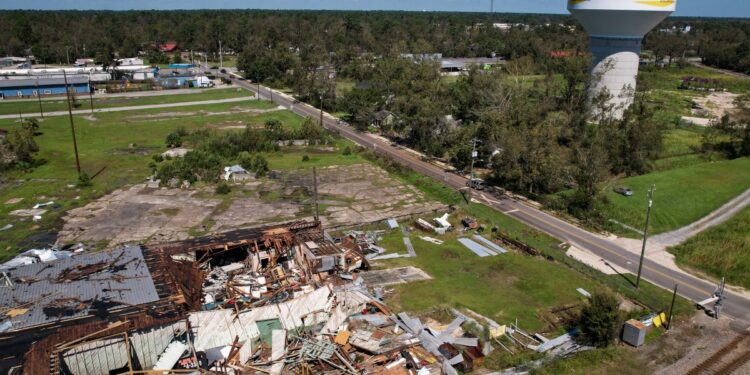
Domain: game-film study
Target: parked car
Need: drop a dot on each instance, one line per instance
(623, 190)
(475, 183)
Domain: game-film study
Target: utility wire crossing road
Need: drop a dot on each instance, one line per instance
(690, 287)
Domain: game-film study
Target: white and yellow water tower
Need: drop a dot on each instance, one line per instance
(616, 28)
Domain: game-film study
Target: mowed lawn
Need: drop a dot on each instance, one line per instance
(116, 148)
(60, 104)
(721, 251)
(503, 287)
(683, 195)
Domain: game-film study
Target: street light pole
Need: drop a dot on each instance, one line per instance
(645, 234)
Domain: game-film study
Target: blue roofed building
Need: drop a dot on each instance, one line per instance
(31, 87)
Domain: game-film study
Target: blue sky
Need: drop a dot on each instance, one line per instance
(710, 8)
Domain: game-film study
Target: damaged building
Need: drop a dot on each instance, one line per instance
(281, 299)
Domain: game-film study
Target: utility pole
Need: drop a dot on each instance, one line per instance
(474, 155)
(91, 96)
(221, 59)
(39, 97)
(645, 234)
(471, 170)
(315, 192)
(321, 110)
(671, 308)
(258, 90)
(72, 127)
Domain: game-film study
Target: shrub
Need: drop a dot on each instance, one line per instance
(347, 150)
(305, 158)
(173, 140)
(158, 158)
(223, 188)
(84, 180)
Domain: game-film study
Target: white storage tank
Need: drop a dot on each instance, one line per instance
(616, 28)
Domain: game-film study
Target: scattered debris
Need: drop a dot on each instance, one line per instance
(36, 256)
(6, 227)
(392, 223)
(176, 152)
(41, 205)
(13, 201)
(391, 276)
(584, 292)
(432, 240)
(28, 212)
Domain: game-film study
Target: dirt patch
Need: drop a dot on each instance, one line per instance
(13, 201)
(688, 344)
(349, 195)
(137, 214)
(715, 105)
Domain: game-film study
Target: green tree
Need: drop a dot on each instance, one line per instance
(22, 144)
(600, 320)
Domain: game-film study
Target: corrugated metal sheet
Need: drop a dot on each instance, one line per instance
(493, 246)
(97, 357)
(218, 328)
(127, 280)
(476, 248)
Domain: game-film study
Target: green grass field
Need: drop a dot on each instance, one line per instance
(118, 147)
(61, 104)
(683, 195)
(721, 251)
(494, 285)
(503, 287)
(670, 78)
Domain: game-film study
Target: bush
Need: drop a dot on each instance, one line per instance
(347, 150)
(84, 180)
(260, 166)
(222, 188)
(305, 158)
(600, 320)
(158, 158)
(173, 140)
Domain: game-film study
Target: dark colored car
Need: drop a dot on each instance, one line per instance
(475, 183)
(623, 190)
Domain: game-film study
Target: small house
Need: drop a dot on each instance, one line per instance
(237, 173)
(383, 119)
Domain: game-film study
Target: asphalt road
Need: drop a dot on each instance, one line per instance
(690, 287)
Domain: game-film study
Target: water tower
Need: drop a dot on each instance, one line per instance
(617, 28)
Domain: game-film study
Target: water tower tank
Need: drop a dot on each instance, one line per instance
(617, 28)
